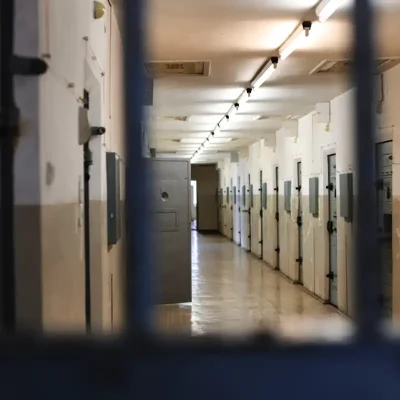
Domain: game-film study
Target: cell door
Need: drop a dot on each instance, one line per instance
(332, 231)
(299, 221)
(171, 202)
(232, 211)
(261, 230)
(384, 162)
(276, 189)
(240, 194)
(249, 209)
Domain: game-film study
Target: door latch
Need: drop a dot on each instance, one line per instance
(331, 275)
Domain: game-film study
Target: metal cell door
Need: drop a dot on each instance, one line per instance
(299, 221)
(232, 211)
(276, 189)
(171, 202)
(261, 230)
(250, 207)
(239, 200)
(385, 161)
(332, 230)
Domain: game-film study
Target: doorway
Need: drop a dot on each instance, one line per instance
(384, 154)
(239, 213)
(276, 189)
(193, 202)
(250, 207)
(299, 221)
(261, 228)
(332, 231)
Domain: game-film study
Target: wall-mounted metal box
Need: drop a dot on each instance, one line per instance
(234, 195)
(244, 195)
(251, 196)
(113, 198)
(346, 196)
(287, 190)
(314, 196)
(264, 195)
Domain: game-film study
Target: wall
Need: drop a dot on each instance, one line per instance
(207, 204)
(49, 166)
(311, 143)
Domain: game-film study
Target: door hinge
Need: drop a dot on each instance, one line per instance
(299, 260)
(260, 242)
(249, 236)
(331, 275)
(330, 186)
(278, 250)
(298, 188)
(276, 189)
(277, 216)
(261, 213)
(329, 227)
(299, 221)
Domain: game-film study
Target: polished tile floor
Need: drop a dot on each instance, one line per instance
(235, 293)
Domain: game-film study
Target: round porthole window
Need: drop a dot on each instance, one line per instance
(164, 196)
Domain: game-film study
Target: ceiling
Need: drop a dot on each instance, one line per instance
(238, 37)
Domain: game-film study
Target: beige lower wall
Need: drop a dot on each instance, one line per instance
(315, 246)
(50, 270)
(63, 268)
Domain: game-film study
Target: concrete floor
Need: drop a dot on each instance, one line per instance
(235, 293)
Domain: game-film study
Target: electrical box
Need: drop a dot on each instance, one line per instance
(234, 195)
(251, 196)
(264, 195)
(314, 196)
(244, 195)
(346, 196)
(287, 190)
(113, 198)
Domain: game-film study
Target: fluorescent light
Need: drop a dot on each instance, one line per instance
(296, 39)
(326, 8)
(265, 73)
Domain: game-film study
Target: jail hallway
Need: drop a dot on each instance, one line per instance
(235, 293)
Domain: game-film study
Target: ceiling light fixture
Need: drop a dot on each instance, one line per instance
(295, 40)
(326, 8)
(244, 97)
(265, 73)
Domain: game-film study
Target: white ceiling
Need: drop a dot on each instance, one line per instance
(238, 37)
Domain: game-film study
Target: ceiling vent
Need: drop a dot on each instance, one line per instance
(345, 66)
(176, 68)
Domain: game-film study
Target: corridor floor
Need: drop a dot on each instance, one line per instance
(235, 293)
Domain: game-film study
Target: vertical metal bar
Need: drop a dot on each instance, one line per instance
(8, 135)
(138, 222)
(368, 272)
